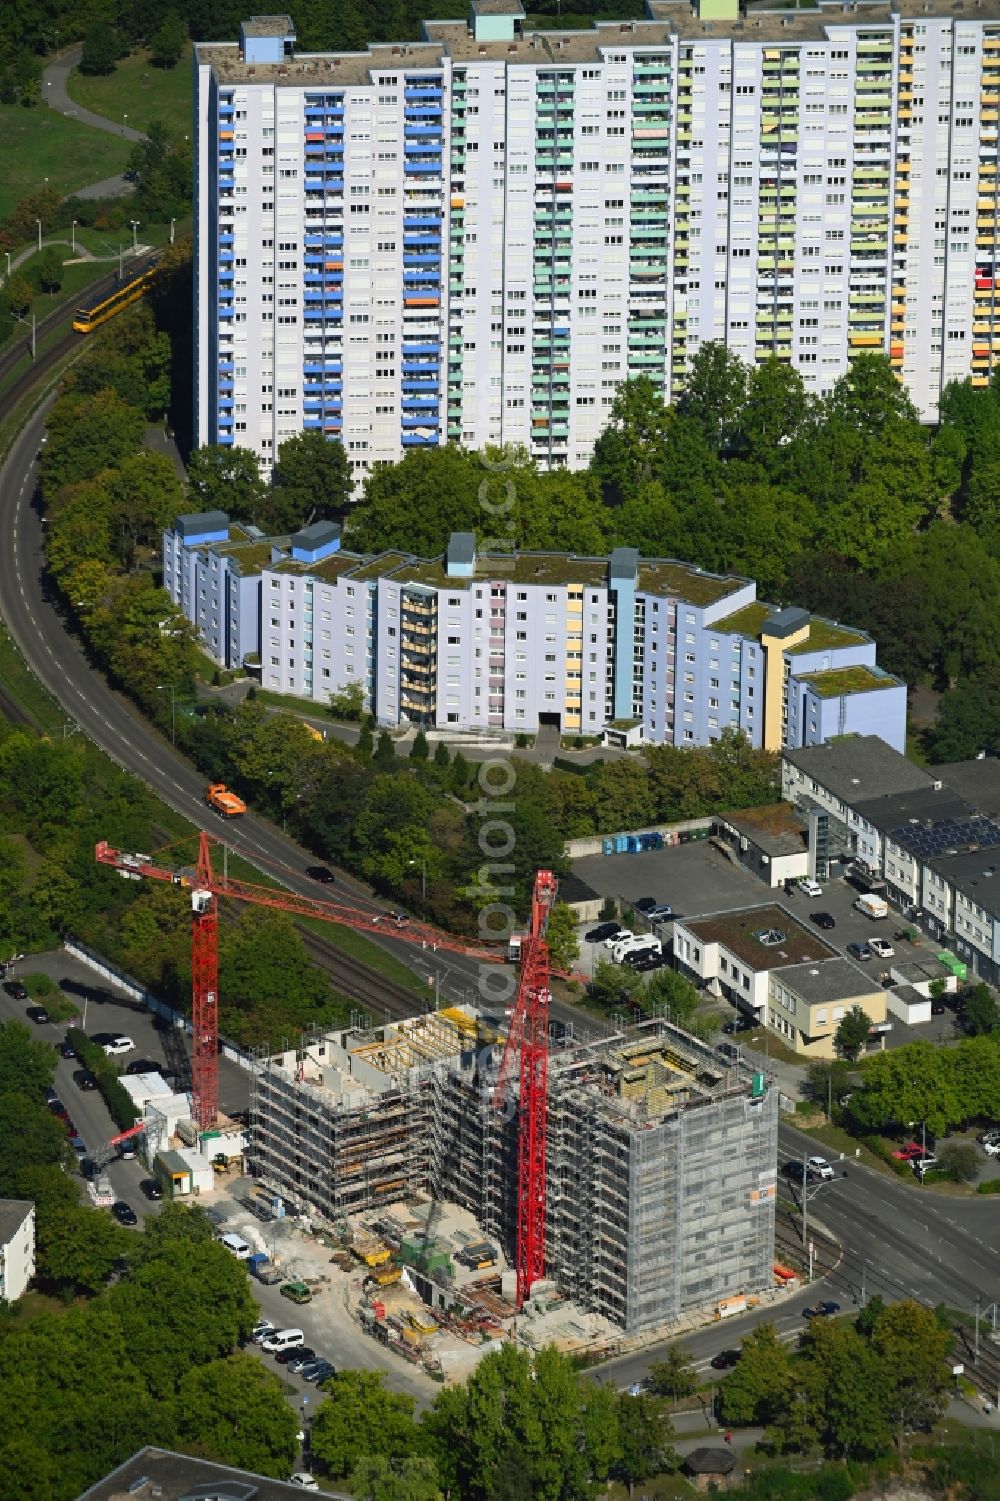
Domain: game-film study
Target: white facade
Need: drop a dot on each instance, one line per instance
(477, 238)
(17, 1248)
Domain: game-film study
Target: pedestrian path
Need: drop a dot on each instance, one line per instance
(57, 97)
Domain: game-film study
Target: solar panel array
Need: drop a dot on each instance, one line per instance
(947, 835)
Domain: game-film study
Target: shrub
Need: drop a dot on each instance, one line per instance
(991, 1186)
(39, 987)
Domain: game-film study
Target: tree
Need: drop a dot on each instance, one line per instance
(459, 774)
(88, 434)
(161, 168)
(980, 1014)
(968, 719)
(101, 50)
(167, 42)
(235, 1411)
(377, 1478)
(222, 478)
(715, 394)
(631, 451)
(913, 1349)
(758, 1387)
(50, 269)
(561, 936)
(853, 1032)
(614, 985)
(442, 756)
(348, 702)
(26, 1067)
(29, 1136)
(644, 1435)
(419, 750)
(960, 1159)
(311, 481)
(675, 1377)
(385, 752)
(20, 294)
(361, 1419)
(430, 493)
(78, 1246)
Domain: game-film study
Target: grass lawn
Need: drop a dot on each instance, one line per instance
(23, 687)
(40, 144)
(369, 953)
(139, 90)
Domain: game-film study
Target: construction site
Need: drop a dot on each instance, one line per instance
(660, 1161)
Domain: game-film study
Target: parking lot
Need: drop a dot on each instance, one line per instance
(697, 879)
(108, 1010)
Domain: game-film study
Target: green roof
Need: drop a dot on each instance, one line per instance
(662, 576)
(824, 634)
(746, 622)
(329, 569)
(384, 564)
(840, 680)
(252, 559)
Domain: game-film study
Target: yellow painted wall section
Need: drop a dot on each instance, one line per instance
(774, 673)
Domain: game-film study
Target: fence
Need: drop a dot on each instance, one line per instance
(635, 841)
(137, 992)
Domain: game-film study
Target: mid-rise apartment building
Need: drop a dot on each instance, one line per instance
(506, 642)
(478, 237)
(17, 1248)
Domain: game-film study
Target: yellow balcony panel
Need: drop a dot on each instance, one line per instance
(864, 341)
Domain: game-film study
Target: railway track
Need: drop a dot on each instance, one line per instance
(359, 981)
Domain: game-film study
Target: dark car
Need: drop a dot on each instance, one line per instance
(321, 873)
(103, 1038)
(859, 951)
(647, 962)
(15, 990)
(143, 1066)
(38, 1015)
(821, 1310)
(298, 1355)
(66, 1050)
(725, 1360)
(602, 931)
(55, 1104)
(152, 1188)
(736, 1024)
(727, 1050)
(79, 1146)
(794, 1171)
(938, 1008)
(822, 920)
(645, 904)
(84, 1079)
(124, 1213)
(320, 1370)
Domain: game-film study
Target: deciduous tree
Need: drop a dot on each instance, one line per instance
(235, 1411)
(852, 1033)
(361, 1418)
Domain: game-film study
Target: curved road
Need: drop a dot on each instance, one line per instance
(56, 95)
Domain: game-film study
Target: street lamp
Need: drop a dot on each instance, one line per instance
(172, 223)
(125, 125)
(72, 236)
(135, 230)
(39, 223)
(7, 254)
(24, 320)
(423, 876)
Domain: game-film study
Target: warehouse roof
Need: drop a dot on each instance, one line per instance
(855, 768)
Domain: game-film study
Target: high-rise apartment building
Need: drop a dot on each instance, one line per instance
(478, 237)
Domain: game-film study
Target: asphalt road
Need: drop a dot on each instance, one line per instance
(57, 97)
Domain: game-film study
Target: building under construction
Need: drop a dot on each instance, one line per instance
(661, 1157)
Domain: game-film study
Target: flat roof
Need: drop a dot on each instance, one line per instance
(328, 569)
(974, 873)
(855, 768)
(739, 932)
(977, 781)
(833, 682)
(831, 981)
(178, 1477)
(928, 838)
(924, 805)
(269, 26)
(13, 1213)
(775, 828)
(684, 581)
(825, 635)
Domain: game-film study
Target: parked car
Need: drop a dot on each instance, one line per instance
(119, 1044)
(614, 938)
(991, 1145)
(152, 1188)
(320, 1370)
(810, 888)
(15, 990)
(647, 961)
(296, 1292)
(143, 1066)
(124, 1213)
(938, 1007)
(645, 904)
(661, 913)
(283, 1339)
(66, 1049)
(819, 1168)
(38, 1015)
(921, 1165)
(304, 1355)
(304, 1481)
(823, 920)
(261, 1330)
(79, 1146)
(321, 873)
(602, 931)
(794, 1170)
(736, 1024)
(860, 951)
(912, 1151)
(725, 1360)
(84, 1079)
(881, 948)
(823, 1310)
(126, 1150)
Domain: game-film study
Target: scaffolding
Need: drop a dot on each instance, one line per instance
(661, 1158)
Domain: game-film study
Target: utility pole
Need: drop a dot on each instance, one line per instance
(805, 1197)
(39, 223)
(976, 1355)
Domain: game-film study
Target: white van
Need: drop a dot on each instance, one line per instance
(632, 943)
(237, 1245)
(283, 1339)
(872, 906)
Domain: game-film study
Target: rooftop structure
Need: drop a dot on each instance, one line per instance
(978, 782)
(763, 938)
(347, 1122)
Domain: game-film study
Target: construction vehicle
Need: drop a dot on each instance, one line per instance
(264, 1269)
(219, 797)
(384, 1276)
(369, 1249)
(206, 887)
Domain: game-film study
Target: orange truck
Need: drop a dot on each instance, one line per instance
(219, 797)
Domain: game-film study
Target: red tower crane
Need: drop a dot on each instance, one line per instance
(206, 887)
(529, 1039)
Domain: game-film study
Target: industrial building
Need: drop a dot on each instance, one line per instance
(661, 1155)
(647, 648)
(477, 237)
